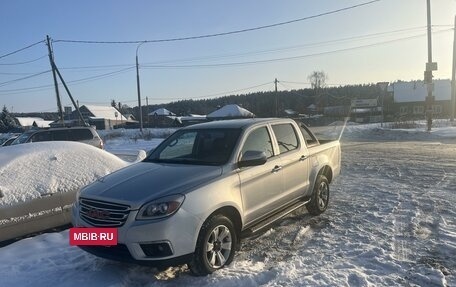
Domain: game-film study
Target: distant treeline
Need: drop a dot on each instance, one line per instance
(262, 104)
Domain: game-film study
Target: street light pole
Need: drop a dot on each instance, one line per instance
(384, 88)
(453, 77)
(430, 66)
(139, 89)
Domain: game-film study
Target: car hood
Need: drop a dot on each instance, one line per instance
(142, 182)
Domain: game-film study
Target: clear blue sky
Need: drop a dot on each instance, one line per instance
(384, 55)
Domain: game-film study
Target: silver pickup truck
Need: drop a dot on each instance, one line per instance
(205, 187)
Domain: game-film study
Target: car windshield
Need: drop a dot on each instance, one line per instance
(196, 146)
(22, 138)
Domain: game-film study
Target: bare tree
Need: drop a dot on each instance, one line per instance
(317, 79)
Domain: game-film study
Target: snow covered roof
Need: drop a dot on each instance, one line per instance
(196, 116)
(416, 91)
(105, 112)
(129, 117)
(42, 124)
(231, 111)
(312, 106)
(161, 112)
(290, 112)
(28, 121)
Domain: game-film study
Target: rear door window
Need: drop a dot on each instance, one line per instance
(308, 137)
(23, 138)
(286, 137)
(80, 134)
(60, 135)
(41, 137)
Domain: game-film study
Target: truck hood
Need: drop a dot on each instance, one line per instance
(142, 182)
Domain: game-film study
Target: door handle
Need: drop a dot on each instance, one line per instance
(276, 168)
(303, 158)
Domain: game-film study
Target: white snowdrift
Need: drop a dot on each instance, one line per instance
(28, 171)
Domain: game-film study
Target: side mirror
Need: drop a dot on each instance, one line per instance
(252, 158)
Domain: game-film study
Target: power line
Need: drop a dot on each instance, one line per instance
(21, 63)
(26, 90)
(199, 97)
(8, 73)
(283, 58)
(289, 47)
(101, 76)
(74, 82)
(290, 90)
(23, 78)
(307, 83)
(96, 67)
(246, 53)
(217, 94)
(224, 33)
(21, 49)
(38, 88)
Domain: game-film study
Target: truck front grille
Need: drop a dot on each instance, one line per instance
(103, 214)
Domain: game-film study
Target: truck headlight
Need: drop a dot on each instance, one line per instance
(160, 208)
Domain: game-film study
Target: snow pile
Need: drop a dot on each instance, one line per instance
(346, 132)
(28, 171)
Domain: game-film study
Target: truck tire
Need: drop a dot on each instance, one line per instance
(215, 246)
(320, 196)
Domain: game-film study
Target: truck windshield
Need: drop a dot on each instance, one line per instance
(196, 146)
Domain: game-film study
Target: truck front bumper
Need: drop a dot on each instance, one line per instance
(162, 242)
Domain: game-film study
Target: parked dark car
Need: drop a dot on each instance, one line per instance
(86, 135)
(7, 139)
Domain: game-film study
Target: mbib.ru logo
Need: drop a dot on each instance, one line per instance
(93, 236)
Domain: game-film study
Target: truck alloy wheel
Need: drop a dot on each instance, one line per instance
(320, 197)
(323, 195)
(215, 246)
(218, 246)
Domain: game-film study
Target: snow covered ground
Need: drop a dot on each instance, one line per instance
(391, 222)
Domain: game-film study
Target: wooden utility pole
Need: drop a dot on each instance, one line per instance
(76, 105)
(430, 66)
(147, 111)
(276, 99)
(51, 60)
(453, 80)
(138, 87)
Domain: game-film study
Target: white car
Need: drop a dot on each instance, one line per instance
(38, 183)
